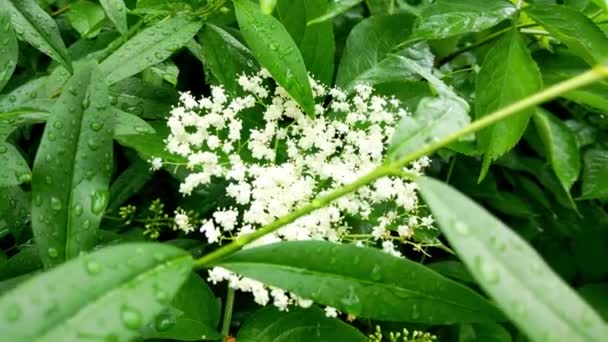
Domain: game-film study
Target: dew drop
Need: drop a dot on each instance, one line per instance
(58, 124)
(24, 178)
(3, 149)
(99, 200)
(96, 126)
(461, 228)
(352, 303)
(93, 267)
(376, 273)
(164, 322)
(487, 270)
(12, 98)
(72, 90)
(131, 318)
(78, 210)
(56, 204)
(161, 296)
(520, 309)
(93, 144)
(52, 252)
(13, 313)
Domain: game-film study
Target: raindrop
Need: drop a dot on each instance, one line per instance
(24, 178)
(78, 210)
(93, 144)
(96, 126)
(158, 55)
(13, 313)
(519, 308)
(3, 149)
(164, 322)
(587, 318)
(352, 303)
(12, 98)
(58, 124)
(52, 137)
(52, 252)
(38, 200)
(376, 273)
(487, 270)
(99, 200)
(93, 267)
(131, 318)
(461, 228)
(86, 102)
(162, 296)
(72, 90)
(56, 204)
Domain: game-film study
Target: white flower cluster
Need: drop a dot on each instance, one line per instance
(276, 158)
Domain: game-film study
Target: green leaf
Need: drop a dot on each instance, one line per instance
(116, 10)
(316, 42)
(335, 8)
(15, 207)
(149, 47)
(34, 25)
(194, 314)
(452, 269)
(126, 124)
(9, 50)
(296, 325)
(508, 74)
(163, 71)
(510, 271)
(434, 118)
(128, 183)
(121, 287)
(24, 262)
(370, 43)
(574, 29)
(602, 3)
(86, 17)
(151, 145)
(276, 51)
(595, 174)
(14, 169)
(225, 57)
(72, 169)
(597, 296)
(135, 96)
(446, 18)
(558, 67)
(267, 6)
(489, 332)
(560, 143)
(365, 282)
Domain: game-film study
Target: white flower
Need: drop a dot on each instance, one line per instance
(182, 222)
(278, 159)
(211, 232)
(331, 312)
(156, 163)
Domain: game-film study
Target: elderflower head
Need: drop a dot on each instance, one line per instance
(275, 158)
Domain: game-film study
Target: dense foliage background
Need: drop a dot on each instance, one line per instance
(89, 249)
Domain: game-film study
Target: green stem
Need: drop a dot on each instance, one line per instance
(394, 166)
(481, 42)
(228, 312)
